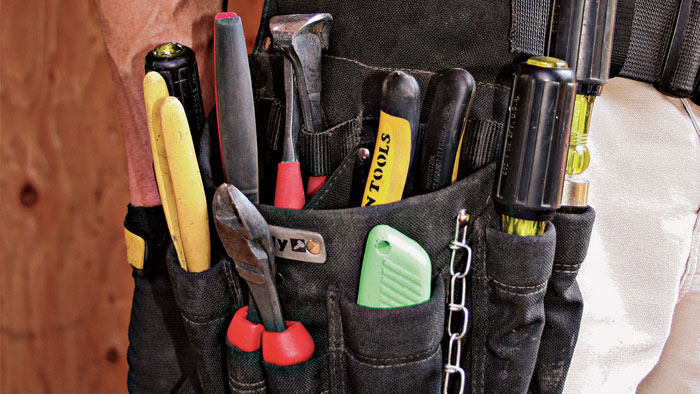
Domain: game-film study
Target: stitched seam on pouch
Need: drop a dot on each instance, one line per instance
(337, 376)
(432, 356)
(536, 288)
(410, 70)
(260, 383)
(565, 271)
(567, 265)
(185, 318)
(258, 390)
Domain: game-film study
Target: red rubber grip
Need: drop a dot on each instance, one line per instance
(289, 347)
(289, 191)
(243, 334)
(314, 184)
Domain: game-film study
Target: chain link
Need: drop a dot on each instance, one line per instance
(457, 309)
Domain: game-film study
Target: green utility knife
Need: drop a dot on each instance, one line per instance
(395, 270)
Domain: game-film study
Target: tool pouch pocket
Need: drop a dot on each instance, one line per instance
(509, 310)
(207, 301)
(398, 350)
(159, 355)
(245, 371)
(563, 301)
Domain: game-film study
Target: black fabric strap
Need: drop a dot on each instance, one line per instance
(528, 26)
(321, 153)
(652, 34)
(623, 31)
(149, 223)
(481, 145)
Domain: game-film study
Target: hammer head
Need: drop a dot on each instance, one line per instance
(285, 29)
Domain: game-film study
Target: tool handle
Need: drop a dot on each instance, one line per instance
(190, 201)
(596, 43)
(314, 184)
(244, 334)
(234, 105)
(566, 20)
(289, 347)
(531, 168)
(177, 64)
(289, 190)
(439, 155)
(396, 140)
(154, 92)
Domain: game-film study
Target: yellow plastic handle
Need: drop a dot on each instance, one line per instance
(390, 162)
(190, 201)
(154, 92)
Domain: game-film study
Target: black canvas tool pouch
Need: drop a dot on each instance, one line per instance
(504, 310)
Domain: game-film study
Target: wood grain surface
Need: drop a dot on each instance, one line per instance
(65, 286)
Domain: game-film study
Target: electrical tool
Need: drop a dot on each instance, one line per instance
(234, 105)
(188, 190)
(178, 66)
(439, 156)
(396, 140)
(301, 38)
(592, 72)
(395, 270)
(530, 171)
(246, 237)
(154, 92)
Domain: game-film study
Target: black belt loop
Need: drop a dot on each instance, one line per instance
(621, 40)
(680, 69)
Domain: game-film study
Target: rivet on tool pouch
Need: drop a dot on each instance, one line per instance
(247, 240)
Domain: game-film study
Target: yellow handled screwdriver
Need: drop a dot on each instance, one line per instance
(155, 91)
(188, 190)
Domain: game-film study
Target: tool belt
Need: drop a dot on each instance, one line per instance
(504, 311)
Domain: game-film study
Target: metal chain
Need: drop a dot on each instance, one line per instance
(457, 309)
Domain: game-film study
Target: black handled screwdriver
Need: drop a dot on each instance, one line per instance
(439, 155)
(178, 66)
(564, 35)
(530, 171)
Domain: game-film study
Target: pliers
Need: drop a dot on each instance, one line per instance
(247, 240)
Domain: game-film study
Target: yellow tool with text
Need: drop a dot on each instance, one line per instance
(396, 140)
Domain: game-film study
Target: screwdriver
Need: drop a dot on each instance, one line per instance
(439, 156)
(564, 35)
(592, 72)
(177, 64)
(530, 171)
(396, 140)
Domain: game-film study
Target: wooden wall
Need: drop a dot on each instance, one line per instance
(65, 288)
